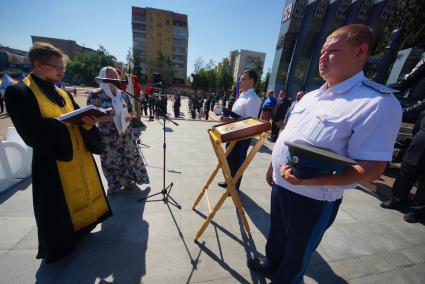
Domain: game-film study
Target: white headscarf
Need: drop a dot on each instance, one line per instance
(118, 104)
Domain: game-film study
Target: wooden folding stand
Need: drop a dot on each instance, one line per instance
(216, 141)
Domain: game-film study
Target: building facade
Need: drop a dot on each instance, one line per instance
(69, 47)
(305, 24)
(246, 59)
(13, 61)
(160, 41)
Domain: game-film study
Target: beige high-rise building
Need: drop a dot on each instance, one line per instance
(157, 32)
(247, 59)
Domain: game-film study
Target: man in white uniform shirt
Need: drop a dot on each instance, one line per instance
(349, 115)
(247, 104)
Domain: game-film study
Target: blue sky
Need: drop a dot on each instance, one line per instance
(215, 26)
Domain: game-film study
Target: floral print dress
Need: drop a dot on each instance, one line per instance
(121, 160)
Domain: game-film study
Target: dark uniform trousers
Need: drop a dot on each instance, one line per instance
(275, 131)
(1, 104)
(412, 170)
(237, 156)
(298, 224)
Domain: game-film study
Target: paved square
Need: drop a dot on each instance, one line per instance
(153, 242)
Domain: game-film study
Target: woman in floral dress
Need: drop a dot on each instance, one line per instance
(121, 160)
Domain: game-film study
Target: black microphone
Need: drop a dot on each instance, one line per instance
(111, 81)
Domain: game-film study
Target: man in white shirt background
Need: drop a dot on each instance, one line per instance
(349, 115)
(246, 105)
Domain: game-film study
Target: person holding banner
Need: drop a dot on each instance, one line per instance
(68, 196)
(121, 160)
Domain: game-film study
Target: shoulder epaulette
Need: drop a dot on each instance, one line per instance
(379, 87)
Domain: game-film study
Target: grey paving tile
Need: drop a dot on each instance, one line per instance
(386, 261)
(115, 263)
(20, 266)
(414, 274)
(415, 253)
(14, 229)
(28, 241)
(3, 253)
(150, 242)
(18, 201)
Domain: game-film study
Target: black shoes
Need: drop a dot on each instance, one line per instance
(259, 265)
(394, 203)
(222, 184)
(411, 218)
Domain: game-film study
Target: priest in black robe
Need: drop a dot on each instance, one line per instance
(68, 195)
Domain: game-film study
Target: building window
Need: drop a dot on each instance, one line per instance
(140, 44)
(139, 18)
(137, 26)
(139, 35)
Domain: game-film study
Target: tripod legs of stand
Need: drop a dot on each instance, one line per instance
(231, 181)
(166, 197)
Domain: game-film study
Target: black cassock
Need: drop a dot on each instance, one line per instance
(52, 143)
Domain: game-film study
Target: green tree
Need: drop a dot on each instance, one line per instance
(211, 77)
(137, 61)
(130, 61)
(224, 76)
(86, 66)
(199, 64)
(412, 32)
(164, 67)
(196, 81)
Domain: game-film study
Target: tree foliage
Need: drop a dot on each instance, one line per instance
(86, 66)
(413, 30)
(224, 76)
(134, 63)
(164, 67)
(211, 78)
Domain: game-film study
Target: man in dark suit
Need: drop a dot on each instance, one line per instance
(278, 114)
(412, 170)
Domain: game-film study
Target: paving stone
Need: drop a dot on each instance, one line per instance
(20, 266)
(415, 253)
(21, 203)
(120, 263)
(152, 242)
(14, 229)
(414, 274)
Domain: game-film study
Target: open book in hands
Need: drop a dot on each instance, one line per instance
(229, 113)
(90, 110)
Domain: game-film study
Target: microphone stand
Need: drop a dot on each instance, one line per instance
(165, 190)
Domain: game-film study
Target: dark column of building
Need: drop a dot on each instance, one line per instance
(334, 17)
(291, 23)
(353, 11)
(291, 88)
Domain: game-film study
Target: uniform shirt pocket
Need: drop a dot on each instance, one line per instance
(322, 128)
